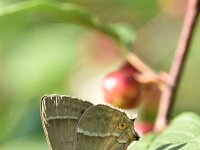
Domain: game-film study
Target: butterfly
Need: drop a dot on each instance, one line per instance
(72, 124)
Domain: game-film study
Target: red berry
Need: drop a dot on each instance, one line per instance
(143, 127)
(121, 89)
(127, 67)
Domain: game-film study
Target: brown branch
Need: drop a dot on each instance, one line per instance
(169, 91)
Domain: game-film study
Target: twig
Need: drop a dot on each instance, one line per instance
(169, 91)
(139, 64)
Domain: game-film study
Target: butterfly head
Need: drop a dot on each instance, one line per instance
(127, 133)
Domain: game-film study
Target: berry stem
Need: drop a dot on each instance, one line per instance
(169, 91)
(141, 66)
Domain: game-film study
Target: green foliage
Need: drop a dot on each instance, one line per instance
(34, 12)
(38, 53)
(31, 143)
(182, 134)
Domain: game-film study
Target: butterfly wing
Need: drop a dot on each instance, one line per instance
(60, 115)
(98, 129)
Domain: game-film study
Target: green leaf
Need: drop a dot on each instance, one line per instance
(34, 12)
(182, 134)
(145, 142)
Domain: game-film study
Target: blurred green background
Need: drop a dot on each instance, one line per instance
(53, 55)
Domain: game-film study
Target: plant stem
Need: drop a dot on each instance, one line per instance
(169, 91)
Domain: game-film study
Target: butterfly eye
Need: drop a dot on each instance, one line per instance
(122, 125)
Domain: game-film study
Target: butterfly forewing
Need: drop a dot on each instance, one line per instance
(60, 115)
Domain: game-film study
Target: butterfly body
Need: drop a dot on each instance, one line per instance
(72, 124)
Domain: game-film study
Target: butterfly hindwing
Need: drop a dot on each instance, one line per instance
(60, 115)
(104, 128)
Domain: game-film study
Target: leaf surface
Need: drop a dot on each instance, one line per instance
(182, 134)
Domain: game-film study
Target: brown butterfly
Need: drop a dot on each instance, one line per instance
(73, 124)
